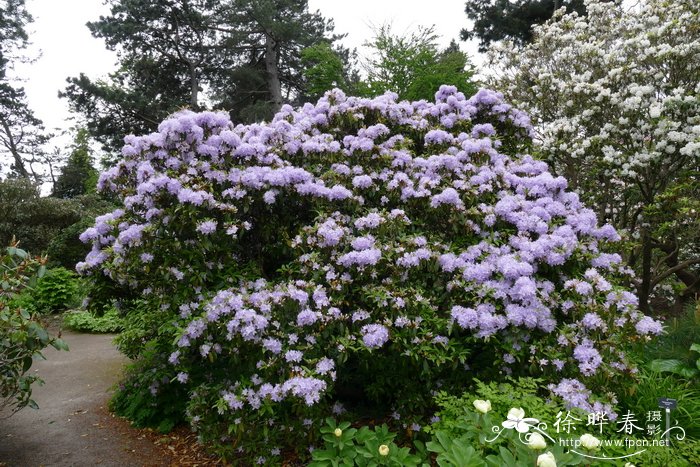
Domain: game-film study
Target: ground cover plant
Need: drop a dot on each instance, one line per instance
(356, 255)
(85, 321)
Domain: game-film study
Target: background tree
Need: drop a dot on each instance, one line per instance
(413, 66)
(243, 57)
(22, 135)
(617, 104)
(79, 175)
(323, 69)
(32, 219)
(166, 52)
(269, 37)
(496, 20)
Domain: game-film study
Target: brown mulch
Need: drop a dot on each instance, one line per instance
(177, 448)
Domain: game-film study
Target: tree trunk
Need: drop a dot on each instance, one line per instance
(12, 147)
(688, 278)
(645, 286)
(194, 87)
(273, 77)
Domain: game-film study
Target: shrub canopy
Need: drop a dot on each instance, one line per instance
(361, 251)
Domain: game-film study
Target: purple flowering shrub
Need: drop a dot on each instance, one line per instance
(361, 253)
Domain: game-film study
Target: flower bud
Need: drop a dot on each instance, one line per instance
(482, 406)
(536, 441)
(383, 450)
(338, 432)
(590, 442)
(546, 460)
(516, 413)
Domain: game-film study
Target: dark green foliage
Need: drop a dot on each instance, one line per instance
(145, 397)
(78, 176)
(676, 344)
(22, 337)
(644, 396)
(240, 56)
(33, 220)
(47, 224)
(414, 67)
(65, 248)
(58, 290)
(160, 46)
(21, 133)
(496, 20)
(85, 321)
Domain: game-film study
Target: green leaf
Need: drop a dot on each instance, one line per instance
(59, 344)
(670, 366)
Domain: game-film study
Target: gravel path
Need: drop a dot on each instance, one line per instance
(72, 426)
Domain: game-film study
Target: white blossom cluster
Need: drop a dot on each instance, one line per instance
(615, 97)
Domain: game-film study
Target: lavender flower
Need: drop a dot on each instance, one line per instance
(374, 335)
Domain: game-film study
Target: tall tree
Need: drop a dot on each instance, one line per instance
(496, 20)
(241, 56)
(413, 66)
(269, 37)
(616, 99)
(22, 135)
(166, 50)
(78, 173)
(325, 68)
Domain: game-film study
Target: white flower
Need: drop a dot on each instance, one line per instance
(482, 406)
(629, 464)
(338, 432)
(383, 450)
(589, 442)
(517, 420)
(546, 460)
(536, 441)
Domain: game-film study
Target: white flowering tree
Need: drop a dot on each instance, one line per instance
(616, 101)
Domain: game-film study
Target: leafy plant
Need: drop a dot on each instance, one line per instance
(346, 446)
(145, 397)
(56, 291)
(454, 452)
(528, 393)
(22, 337)
(86, 321)
(644, 396)
(679, 367)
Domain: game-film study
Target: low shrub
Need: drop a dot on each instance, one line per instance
(57, 290)
(527, 393)
(85, 321)
(30, 218)
(65, 248)
(146, 397)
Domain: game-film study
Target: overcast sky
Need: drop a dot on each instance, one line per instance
(67, 48)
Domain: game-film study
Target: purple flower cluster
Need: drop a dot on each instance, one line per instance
(419, 227)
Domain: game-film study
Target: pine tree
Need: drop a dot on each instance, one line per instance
(79, 175)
